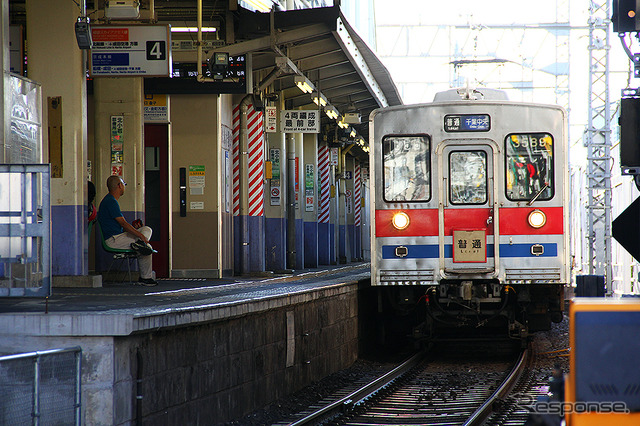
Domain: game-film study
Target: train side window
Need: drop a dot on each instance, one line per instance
(468, 177)
(529, 166)
(407, 168)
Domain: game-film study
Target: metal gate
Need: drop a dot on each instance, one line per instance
(25, 230)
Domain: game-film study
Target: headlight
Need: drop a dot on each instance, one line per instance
(537, 219)
(400, 220)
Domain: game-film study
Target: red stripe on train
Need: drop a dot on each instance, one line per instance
(513, 221)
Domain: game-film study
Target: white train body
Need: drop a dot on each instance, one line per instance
(478, 191)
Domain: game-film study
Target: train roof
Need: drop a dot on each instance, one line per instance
(482, 93)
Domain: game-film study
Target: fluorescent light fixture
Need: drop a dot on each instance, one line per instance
(342, 124)
(353, 133)
(331, 113)
(259, 5)
(193, 29)
(319, 99)
(303, 84)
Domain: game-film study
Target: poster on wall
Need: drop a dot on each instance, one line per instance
(275, 190)
(296, 183)
(196, 180)
(117, 144)
(308, 187)
(227, 183)
(349, 201)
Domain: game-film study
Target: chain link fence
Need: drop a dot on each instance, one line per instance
(41, 388)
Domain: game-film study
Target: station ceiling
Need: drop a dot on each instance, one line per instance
(319, 42)
(324, 48)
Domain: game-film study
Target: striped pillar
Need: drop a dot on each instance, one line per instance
(325, 186)
(236, 160)
(324, 230)
(249, 253)
(256, 162)
(357, 195)
(357, 212)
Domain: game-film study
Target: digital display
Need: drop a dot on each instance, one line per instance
(184, 79)
(236, 69)
(467, 123)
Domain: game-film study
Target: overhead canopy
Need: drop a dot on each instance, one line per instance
(322, 46)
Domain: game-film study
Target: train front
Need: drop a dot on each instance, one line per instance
(469, 231)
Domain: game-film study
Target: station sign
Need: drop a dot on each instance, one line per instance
(300, 121)
(130, 51)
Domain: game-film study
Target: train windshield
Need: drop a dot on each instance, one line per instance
(407, 168)
(468, 177)
(529, 166)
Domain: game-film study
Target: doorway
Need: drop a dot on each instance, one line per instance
(467, 185)
(156, 194)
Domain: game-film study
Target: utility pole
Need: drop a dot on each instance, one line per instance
(598, 143)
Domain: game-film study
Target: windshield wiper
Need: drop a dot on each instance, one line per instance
(539, 193)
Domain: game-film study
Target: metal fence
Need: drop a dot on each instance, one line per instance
(41, 388)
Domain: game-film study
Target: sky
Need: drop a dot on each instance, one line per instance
(419, 59)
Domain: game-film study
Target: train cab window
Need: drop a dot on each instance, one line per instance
(407, 168)
(529, 166)
(468, 177)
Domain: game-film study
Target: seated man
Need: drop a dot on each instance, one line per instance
(120, 234)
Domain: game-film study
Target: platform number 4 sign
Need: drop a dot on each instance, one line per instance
(156, 50)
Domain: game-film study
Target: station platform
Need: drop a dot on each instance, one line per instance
(214, 349)
(184, 294)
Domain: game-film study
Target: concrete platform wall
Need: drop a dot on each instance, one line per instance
(198, 365)
(221, 371)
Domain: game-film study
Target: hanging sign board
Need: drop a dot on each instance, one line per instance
(296, 121)
(130, 50)
(156, 109)
(334, 157)
(271, 119)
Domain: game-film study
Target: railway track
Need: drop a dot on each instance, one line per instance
(425, 392)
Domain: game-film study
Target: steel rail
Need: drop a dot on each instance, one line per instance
(485, 409)
(356, 397)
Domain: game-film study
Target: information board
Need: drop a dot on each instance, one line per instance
(132, 50)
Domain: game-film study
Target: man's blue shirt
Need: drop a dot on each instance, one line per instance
(108, 211)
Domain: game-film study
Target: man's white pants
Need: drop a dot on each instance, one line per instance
(124, 240)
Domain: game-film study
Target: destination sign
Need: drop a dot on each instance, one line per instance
(467, 123)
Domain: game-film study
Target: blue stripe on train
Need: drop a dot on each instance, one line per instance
(431, 251)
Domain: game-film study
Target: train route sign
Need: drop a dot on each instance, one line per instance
(469, 246)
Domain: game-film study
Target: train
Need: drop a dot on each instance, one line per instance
(469, 215)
